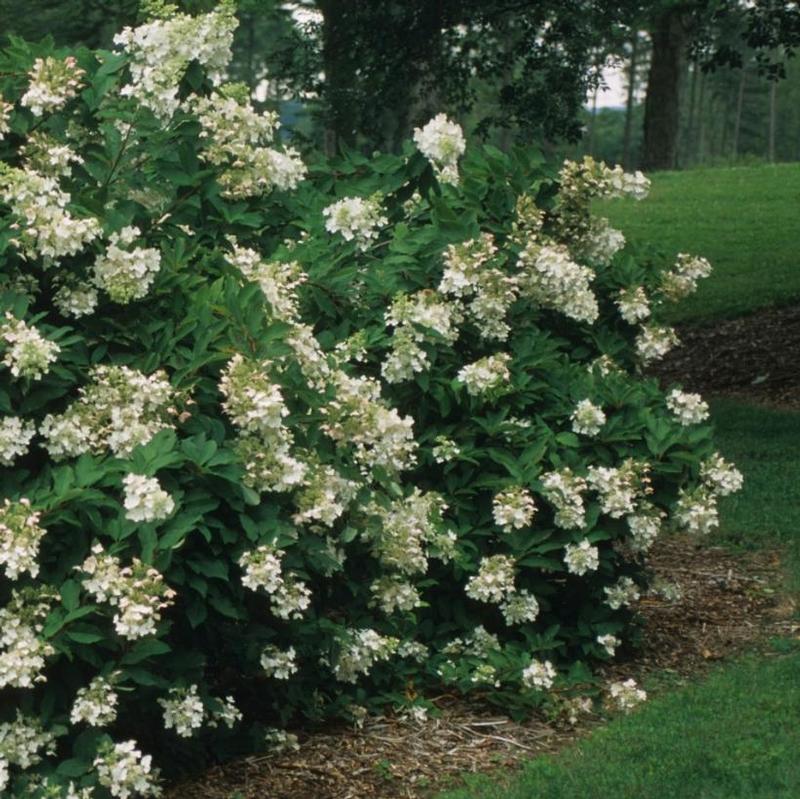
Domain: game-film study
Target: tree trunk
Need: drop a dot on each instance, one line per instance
(688, 137)
(592, 120)
(737, 125)
(626, 139)
(662, 104)
(340, 75)
(773, 93)
(700, 152)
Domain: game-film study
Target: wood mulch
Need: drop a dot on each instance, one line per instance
(753, 358)
(729, 602)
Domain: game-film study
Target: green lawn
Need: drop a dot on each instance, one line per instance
(734, 735)
(743, 219)
(765, 445)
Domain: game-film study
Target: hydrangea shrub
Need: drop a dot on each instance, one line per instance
(283, 440)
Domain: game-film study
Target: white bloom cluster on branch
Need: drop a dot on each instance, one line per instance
(137, 592)
(442, 142)
(119, 409)
(53, 82)
(126, 772)
(27, 352)
(160, 52)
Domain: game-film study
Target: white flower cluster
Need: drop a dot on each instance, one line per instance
(22, 649)
(255, 404)
(681, 281)
(145, 500)
(15, 438)
(404, 528)
(224, 711)
(355, 219)
(28, 354)
(581, 558)
(278, 280)
(589, 178)
(721, 478)
(645, 526)
(183, 711)
(653, 342)
(161, 50)
(48, 229)
(126, 772)
(324, 497)
(539, 675)
(464, 264)
(118, 410)
(20, 535)
(490, 290)
(442, 143)
(564, 490)
(53, 82)
(513, 509)
(391, 595)
(688, 408)
(587, 418)
(619, 487)
(485, 375)
(445, 449)
(626, 695)
(601, 242)
(494, 581)
(553, 280)
(696, 511)
(633, 305)
(47, 156)
(360, 650)
(75, 299)
(21, 743)
(262, 566)
(358, 417)
(126, 272)
(279, 663)
(5, 115)
(417, 318)
(236, 138)
(138, 592)
(623, 592)
(96, 704)
(609, 643)
(626, 184)
(519, 608)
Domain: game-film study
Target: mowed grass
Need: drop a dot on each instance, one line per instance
(743, 219)
(735, 734)
(765, 446)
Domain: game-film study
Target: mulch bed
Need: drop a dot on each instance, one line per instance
(729, 602)
(753, 358)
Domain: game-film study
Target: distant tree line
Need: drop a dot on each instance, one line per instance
(364, 73)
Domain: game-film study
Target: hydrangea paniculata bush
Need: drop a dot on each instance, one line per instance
(274, 445)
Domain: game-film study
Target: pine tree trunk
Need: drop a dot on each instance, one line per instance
(773, 93)
(688, 137)
(626, 140)
(700, 154)
(592, 120)
(662, 104)
(340, 75)
(737, 126)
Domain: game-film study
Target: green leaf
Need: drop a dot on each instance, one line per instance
(70, 594)
(150, 647)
